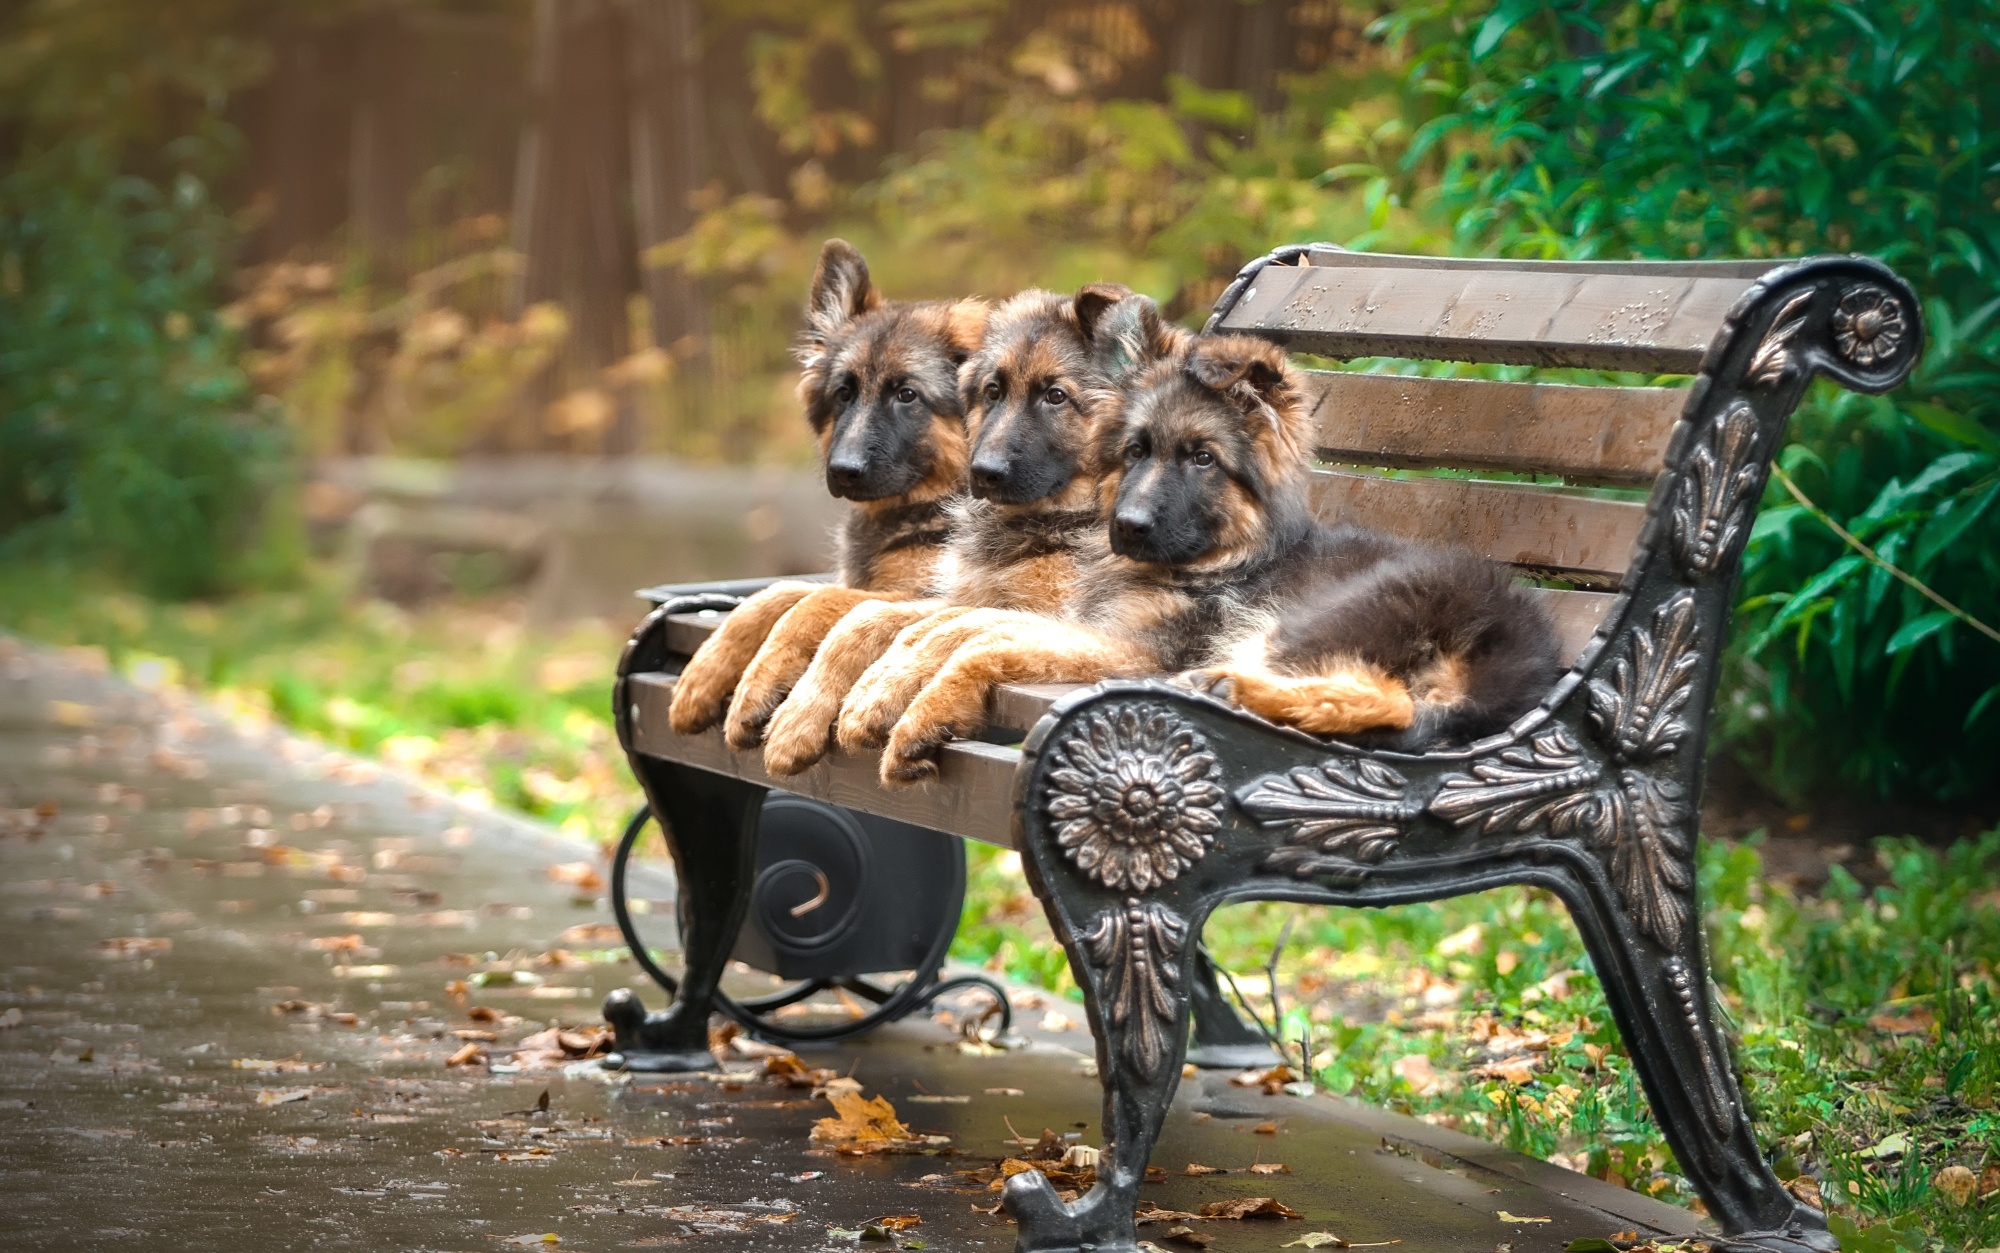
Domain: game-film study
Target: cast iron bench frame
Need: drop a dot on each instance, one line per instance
(1592, 796)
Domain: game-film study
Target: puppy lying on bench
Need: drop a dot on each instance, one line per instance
(1215, 564)
(880, 388)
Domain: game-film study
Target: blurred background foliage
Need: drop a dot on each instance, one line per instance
(237, 238)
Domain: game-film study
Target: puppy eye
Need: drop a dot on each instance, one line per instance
(992, 390)
(844, 394)
(1133, 452)
(1055, 396)
(1203, 457)
(906, 395)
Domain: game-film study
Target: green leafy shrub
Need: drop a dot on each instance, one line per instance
(125, 430)
(1648, 128)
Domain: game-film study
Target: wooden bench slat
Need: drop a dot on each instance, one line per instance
(1408, 261)
(1540, 529)
(1660, 323)
(973, 797)
(1586, 434)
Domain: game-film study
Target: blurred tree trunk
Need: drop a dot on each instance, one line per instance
(383, 153)
(668, 158)
(571, 220)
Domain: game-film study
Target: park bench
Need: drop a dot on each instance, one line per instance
(1628, 506)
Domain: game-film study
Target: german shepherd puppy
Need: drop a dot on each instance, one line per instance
(880, 388)
(1030, 395)
(1216, 563)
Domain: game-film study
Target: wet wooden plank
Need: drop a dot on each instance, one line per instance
(1585, 434)
(1670, 269)
(1543, 530)
(973, 797)
(1659, 323)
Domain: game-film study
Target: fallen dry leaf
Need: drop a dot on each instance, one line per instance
(1989, 1181)
(1196, 1170)
(591, 933)
(1270, 1168)
(1188, 1235)
(1265, 1129)
(1249, 1207)
(1957, 1183)
(1416, 1070)
(1918, 1020)
(897, 1222)
(135, 946)
(580, 875)
(1505, 1217)
(861, 1126)
(282, 1096)
(470, 1055)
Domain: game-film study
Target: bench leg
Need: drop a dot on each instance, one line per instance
(1132, 959)
(710, 823)
(1659, 997)
(1222, 1040)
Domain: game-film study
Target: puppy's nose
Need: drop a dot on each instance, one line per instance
(989, 474)
(845, 473)
(1133, 524)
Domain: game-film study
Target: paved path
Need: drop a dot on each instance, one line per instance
(237, 968)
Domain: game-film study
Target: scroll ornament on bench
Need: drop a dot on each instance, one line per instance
(1553, 784)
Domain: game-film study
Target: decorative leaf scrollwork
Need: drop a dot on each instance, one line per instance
(1637, 710)
(1774, 361)
(1343, 813)
(1549, 783)
(1554, 785)
(1138, 947)
(1135, 797)
(1718, 491)
(1868, 325)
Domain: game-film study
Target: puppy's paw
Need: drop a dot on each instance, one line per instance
(793, 742)
(1217, 683)
(698, 704)
(865, 726)
(748, 715)
(910, 757)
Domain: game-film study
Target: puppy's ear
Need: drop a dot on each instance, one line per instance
(965, 327)
(1253, 375)
(1093, 300)
(1128, 337)
(841, 290)
(1221, 362)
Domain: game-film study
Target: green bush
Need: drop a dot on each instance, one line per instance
(1677, 129)
(125, 429)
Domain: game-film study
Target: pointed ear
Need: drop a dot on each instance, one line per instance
(1093, 300)
(965, 327)
(841, 290)
(1128, 336)
(1253, 375)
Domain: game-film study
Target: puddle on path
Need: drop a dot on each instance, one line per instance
(236, 975)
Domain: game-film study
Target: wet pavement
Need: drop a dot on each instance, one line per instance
(259, 996)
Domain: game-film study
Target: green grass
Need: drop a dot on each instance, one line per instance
(1868, 1019)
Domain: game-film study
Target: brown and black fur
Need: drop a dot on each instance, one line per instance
(1029, 393)
(935, 684)
(1333, 629)
(1216, 562)
(880, 388)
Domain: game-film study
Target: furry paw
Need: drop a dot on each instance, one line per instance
(794, 740)
(698, 704)
(865, 725)
(749, 714)
(1217, 683)
(910, 758)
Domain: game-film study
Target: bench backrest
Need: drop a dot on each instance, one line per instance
(1659, 318)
